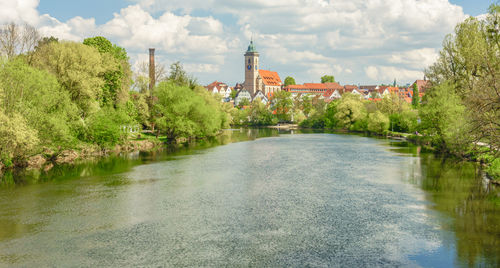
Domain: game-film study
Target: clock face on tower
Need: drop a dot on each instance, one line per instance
(249, 67)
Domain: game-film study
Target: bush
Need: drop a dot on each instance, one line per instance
(104, 127)
(182, 112)
(377, 122)
(494, 169)
(17, 138)
(38, 97)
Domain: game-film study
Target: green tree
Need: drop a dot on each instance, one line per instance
(469, 60)
(119, 75)
(289, 81)
(415, 98)
(18, 139)
(179, 76)
(331, 109)
(444, 119)
(104, 127)
(377, 122)
(78, 68)
(239, 116)
(349, 110)
(259, 114)
(391, 104)
(327, 79)
(405, 122)
(138, 108)
(39, 98)
(181, 112)
(243, 102)
(283, 104)
(45, 41)
(305, 104)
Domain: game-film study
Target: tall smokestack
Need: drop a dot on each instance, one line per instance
(152, 80)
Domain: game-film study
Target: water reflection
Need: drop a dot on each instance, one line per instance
(313, 199)
(456, 189)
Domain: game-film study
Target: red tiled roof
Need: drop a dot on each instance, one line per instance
(422, 85)
(316, 86)
(270, 78)
(216, 84)
(350, 88)
(333, 86)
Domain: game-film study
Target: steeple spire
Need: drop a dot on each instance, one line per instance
(251, 47)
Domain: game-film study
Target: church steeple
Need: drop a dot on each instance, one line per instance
(251, 47)
(251, 68)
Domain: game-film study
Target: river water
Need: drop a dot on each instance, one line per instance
(261, 198)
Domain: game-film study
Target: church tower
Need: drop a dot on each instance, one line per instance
(251, 69)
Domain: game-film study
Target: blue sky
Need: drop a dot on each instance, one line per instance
(358, 41)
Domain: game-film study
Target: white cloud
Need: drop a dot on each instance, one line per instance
(416, 58)
(19, 11)
(387, 73)
(372, 72)
(366, 41)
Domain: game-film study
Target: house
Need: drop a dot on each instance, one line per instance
(369, 88)
(307, 89)
(242, 94)
(422, 85)
(261, 96)
(219, 88)
(352, 89)
(332, 94)
(387, 90)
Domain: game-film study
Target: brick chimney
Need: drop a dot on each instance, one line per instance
(152, 80)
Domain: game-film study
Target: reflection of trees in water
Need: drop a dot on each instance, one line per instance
(457, 190)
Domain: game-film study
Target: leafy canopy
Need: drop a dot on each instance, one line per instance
(327, 79)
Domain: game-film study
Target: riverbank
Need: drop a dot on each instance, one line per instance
(47, 159)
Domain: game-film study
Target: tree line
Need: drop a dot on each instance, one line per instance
(57, 95)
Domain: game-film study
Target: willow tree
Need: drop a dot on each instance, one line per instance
(78, 68)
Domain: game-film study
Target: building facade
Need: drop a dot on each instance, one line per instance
(251, 69)
(256, 79)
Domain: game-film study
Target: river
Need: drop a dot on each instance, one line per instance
(255, 198)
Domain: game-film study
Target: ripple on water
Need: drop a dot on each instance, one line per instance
(296, 200)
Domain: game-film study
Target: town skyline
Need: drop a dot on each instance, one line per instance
(356, 41)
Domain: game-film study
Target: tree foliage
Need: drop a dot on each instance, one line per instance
(18, 139)
(327, 79)
(118, 76)
(469, 65)
(182, 112)
(415, 100)
(259, 114)
(377, 122)
(444, 118)
(289, 81)
(79, 69)
(349, 110)
(283, 104)
(38, 97)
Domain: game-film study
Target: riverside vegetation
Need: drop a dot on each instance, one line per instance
(61, 100)
(67, 95)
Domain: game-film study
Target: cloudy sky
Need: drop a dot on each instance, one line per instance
(358, 41)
